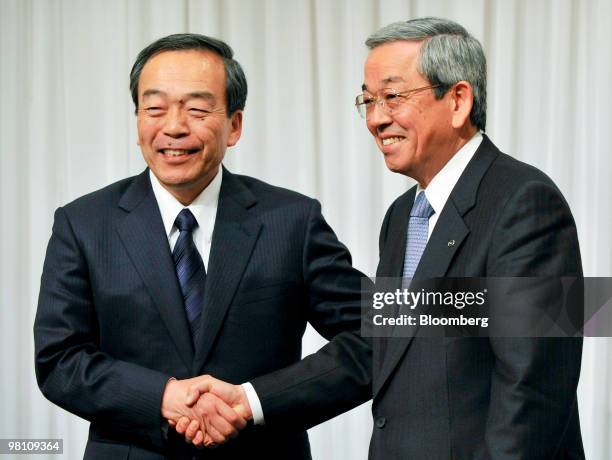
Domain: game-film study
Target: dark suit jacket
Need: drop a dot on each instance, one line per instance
(468, 398)
(111, 330)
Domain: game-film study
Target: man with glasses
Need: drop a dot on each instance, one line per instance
(487, 215)
(475, 212)
(183, 270)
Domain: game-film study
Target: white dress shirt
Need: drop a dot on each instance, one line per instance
(204, 209)
(443, 183)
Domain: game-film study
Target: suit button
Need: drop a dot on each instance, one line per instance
(381, 422)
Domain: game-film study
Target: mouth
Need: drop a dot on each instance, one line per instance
(392, 140)
(173, 153)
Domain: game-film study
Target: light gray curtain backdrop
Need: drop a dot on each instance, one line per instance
(67, 128)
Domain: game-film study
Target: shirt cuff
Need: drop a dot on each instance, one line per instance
(251, 394)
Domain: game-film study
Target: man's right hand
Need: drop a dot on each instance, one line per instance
(206, 421)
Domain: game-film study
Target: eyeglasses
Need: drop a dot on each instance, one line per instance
(389, 100)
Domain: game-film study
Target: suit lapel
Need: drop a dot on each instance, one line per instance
(435, 262)
(233, 241)
(445, 241)
(143, 235)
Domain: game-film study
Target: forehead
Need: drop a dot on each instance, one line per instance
(393, 62)
(183, 71)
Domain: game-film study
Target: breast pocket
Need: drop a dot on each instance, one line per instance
(284, 289)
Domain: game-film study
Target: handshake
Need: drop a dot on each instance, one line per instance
(207, 411)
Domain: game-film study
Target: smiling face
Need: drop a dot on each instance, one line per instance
(420, 136)
(183, 127)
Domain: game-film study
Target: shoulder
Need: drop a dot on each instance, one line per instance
(272, 196)
(513, 173)
(509, 179)
(99, 203)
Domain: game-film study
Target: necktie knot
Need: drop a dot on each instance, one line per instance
(185, 221)
(421, 207)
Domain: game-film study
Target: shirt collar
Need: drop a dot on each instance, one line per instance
(203, 207)
(441, 186)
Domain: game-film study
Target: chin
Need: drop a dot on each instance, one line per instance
(173, 179)
(393, 167)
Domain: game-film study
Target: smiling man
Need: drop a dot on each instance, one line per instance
(183, 270)
(475, 212)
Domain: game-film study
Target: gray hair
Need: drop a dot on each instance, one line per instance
(235, 80)
(449, 54)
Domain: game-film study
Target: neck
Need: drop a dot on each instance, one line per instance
(443, 154)
(187, 193)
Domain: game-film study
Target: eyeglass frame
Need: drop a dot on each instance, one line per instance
(381, 102)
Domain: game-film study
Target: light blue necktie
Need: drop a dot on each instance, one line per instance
(189, 270)
(418, 227)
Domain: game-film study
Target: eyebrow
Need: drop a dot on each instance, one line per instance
(394, 79)
(205, 95)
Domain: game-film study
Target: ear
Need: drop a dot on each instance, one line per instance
(236, 128)
(462, 101)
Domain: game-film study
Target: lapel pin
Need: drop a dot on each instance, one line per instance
(451, 243)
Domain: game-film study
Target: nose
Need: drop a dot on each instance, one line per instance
(378, 118)
(175, 123)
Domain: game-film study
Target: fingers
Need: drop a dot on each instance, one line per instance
(243, 412)
(221, 421)
(181, 425)
(234, 395)
(193, 394)
(215, 436)
(198, 440)
(226, 391)
(198, 386)
(231, 415)
(209, 416)
(192, 430)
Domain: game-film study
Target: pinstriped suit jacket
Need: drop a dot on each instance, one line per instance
(111, 330)
(482, 398)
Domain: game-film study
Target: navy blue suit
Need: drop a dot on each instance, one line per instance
(111, 329)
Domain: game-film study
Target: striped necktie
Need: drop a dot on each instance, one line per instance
(189, 270)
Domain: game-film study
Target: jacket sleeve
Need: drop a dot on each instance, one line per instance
(71, 370)
(338, 376)
(533, 388)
